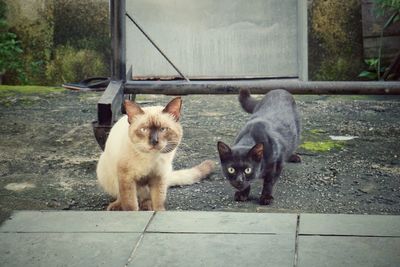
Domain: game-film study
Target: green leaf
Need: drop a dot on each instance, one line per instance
(372, 62)
(368, 74)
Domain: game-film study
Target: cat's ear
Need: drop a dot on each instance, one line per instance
(257, 152)
(174, 107)
(223, 150)
(132, 109)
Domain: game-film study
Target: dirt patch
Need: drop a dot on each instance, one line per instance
(47, 147)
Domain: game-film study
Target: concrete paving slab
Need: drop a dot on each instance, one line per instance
(209, 250)
(172, 238)
(223, 222)
(348, 251)
(346, 224)
(66, 249)
(76, 221)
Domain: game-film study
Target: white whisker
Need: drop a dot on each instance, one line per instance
(171, 145)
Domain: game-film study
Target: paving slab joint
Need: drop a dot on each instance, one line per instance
(140, 240)
(296, 241)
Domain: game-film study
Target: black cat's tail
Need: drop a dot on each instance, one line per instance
(247, 102)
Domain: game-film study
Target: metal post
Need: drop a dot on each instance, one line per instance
(110, 102)
(118, 40)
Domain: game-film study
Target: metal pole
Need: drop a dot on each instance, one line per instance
(118, 40)
(262, 87)
(110, 102)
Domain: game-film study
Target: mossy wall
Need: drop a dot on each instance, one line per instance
(335, 39)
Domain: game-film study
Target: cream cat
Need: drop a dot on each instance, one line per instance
(136, 165)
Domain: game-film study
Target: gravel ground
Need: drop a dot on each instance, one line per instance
(48, 155)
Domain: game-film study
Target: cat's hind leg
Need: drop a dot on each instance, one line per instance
(144, 198)
(146, 205)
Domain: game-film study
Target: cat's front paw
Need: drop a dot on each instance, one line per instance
(266, 200)
(239, 196)
(119, 206)
(114, 206)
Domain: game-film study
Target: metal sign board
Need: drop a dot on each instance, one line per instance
(211, 39)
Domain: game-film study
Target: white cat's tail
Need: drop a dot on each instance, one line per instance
(192, 175)
(247, 102)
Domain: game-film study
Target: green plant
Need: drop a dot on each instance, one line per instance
(387, 6)
(392, 6)
(383, 7)
(70, 64)
(34, 30)
(374, 71)
(10, 47)
(83, 25)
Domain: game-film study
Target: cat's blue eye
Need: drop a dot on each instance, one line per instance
(162, 129)
(231, 170)
(247, 171)
(143, 129)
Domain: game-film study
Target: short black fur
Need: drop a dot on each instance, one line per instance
(268, 139)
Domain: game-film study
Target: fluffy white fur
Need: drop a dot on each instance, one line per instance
(122, 147)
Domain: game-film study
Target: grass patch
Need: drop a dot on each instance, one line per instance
(317, 131)
(28, 95)
(6, 90)
(317, 141)
(322, 146)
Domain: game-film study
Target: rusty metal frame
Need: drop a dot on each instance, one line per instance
(262, 86)
(109, 105)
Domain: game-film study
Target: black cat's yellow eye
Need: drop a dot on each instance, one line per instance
(247, 171)
(231, 170)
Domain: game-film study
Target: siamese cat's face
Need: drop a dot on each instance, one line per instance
(240, 164)
(155, 129)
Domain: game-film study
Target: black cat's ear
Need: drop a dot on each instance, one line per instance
(223, 150)
(257, 152)
(174, 107)
(132, 109)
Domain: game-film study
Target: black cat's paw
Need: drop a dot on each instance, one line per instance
(239, 196)
(295, 158)
(266, 200)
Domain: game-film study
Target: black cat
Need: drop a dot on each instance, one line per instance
(268, 139)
